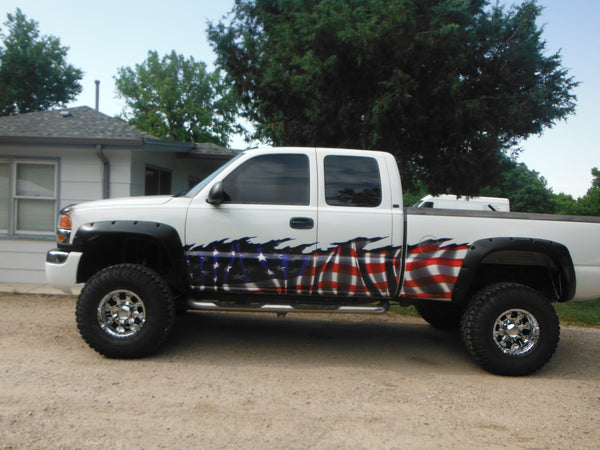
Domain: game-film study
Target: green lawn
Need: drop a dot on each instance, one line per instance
(580, 314)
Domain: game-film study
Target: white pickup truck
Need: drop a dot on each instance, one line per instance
(322, 230)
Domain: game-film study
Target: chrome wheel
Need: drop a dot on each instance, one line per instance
(510, 329)
(516, 332)
(121, 313)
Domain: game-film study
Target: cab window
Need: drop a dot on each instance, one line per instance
(278, 179)
(352, 181)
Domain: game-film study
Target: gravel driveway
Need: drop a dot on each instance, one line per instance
(256, 381)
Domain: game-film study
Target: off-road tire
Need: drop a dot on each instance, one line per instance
(125, 311)
(440, 315)
(510, 329)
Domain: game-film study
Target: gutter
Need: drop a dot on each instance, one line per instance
(105, 172)
(161, 145)
(133, 142)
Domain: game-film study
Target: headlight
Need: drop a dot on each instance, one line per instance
(63, 234)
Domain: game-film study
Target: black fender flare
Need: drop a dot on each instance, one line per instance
(165, 235)
(482, 248)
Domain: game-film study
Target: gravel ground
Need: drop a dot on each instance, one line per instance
(256, 381)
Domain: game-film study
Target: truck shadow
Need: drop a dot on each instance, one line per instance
(384, 342)
(245, 339)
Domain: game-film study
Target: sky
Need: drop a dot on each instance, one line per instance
(105, 35)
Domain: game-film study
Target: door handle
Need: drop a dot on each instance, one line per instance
(302, 223)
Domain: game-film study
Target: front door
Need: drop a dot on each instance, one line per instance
(262, 236)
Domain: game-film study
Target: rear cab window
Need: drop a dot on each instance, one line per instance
(352, 181)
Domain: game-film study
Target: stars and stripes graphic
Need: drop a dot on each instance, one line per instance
(241, 266)
(344, 269)
(432, 269)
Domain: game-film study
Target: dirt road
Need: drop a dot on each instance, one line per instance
(255, 381)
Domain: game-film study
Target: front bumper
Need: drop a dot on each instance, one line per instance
(61, 269)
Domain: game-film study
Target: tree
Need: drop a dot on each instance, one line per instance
(596, 178)
(34, 74)
(565, 204)
(176, 98)
(446, 86)
(525, 188)
(589, 204)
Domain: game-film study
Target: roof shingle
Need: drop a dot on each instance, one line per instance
(71, 123)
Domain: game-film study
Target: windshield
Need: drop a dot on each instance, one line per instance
(192, 192)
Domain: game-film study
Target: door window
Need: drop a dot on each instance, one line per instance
(278, 179)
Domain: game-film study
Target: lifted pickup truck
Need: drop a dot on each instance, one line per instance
(322, 230)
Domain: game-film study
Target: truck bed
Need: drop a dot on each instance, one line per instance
(459, 228)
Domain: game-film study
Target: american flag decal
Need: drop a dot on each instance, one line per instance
(344, 269)
(432, 269)
(241, 266)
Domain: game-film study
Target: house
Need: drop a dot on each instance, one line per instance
(50, 159)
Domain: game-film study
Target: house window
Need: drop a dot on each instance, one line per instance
(158, 181)
(28, 191)
(4, 196)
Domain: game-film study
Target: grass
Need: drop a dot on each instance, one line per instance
(579, 314)
(404, 311)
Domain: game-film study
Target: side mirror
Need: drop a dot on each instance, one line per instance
(216, 195)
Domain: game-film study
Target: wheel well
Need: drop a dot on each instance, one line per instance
(151, 244)
(108, 250)
(545, 266)
(532, 269)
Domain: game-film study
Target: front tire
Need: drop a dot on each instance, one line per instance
(510, 329)
(125, 311)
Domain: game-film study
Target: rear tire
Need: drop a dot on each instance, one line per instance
(125, 311)
(510, 329)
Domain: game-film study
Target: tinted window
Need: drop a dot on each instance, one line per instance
(352, 181)
(158, 181)
(270, 180)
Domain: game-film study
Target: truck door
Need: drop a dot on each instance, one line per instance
(263, 234)
(358, 254)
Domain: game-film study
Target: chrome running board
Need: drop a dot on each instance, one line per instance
(284, 309)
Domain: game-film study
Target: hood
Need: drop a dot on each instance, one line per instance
(125, 202)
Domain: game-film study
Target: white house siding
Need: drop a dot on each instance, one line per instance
(80, 176)
(120, 171)
(80, 179)
(22, 261)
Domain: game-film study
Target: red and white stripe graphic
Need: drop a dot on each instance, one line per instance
(432, 269)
